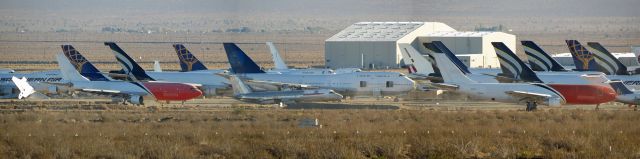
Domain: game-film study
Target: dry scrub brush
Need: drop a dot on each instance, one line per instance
(344, 134)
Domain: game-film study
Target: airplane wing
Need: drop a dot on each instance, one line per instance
(282, 84)
(530, 95)
(66, 84)
(111, 92)
(446, 86)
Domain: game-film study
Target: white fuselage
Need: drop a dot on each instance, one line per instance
(496, 91)
(348, 84)
(120, 86)
(631, 81)
(201, 78)
(35, 79)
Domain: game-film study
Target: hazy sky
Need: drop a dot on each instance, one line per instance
(331, 7)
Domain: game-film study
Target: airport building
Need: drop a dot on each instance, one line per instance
(375, 44)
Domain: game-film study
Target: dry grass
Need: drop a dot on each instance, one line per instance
(344, 134)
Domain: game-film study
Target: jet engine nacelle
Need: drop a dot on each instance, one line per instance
(136, 99)
(554, 102)
(209, 91)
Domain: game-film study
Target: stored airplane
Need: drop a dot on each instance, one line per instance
(244, 93)
(603, 61)
(577, 89)
(9, 90)
(347, 84)
(455, 79)
(83, 76)
(206, 80)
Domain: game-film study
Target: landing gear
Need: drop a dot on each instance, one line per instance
(597, 106)
(531, 106)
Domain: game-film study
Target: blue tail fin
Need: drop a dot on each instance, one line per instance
(188, 62)
(605, 59)
(620, 88)
(443, 49)
(539, 59)
(239, 61)
(82, 65)
(582, 58)
(512, 66)
(130, 66)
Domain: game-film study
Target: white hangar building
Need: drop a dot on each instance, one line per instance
(375, 44)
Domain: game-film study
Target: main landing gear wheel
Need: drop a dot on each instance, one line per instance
(531, 106)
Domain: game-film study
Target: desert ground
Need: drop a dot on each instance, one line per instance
(229, 129)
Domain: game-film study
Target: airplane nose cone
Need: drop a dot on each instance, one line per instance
(197, 92)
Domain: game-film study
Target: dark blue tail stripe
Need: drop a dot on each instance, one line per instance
(443, 49)
(555, 65)
(135, 69)
(527, 74)
(622, 69)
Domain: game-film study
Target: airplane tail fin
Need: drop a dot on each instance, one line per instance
(239, 61)
(582, 58)
(239, 87)
(539, 59)
(620, 88)
(277, 59)
(605, 59)
(131, 68)
(512, 66)
(67, 69)
(188, 61)
(445, 60)
(416, 63)
(82, 65)
(156, 66)
(25, 89)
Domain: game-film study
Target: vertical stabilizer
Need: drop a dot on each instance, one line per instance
(416, 63)
(239, 61)
(582, 58)
(451, 73)
(82, 65)
(606, 60)
(131, 68)
(156, 66)
(539, 59)
(277, 59)
(188, 61)
(69, 73)
(512, 66)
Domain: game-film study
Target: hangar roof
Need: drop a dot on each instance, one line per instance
(459, 33)
(376, 31)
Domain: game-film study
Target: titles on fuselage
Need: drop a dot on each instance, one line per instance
(631, 82)
(53, 79)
